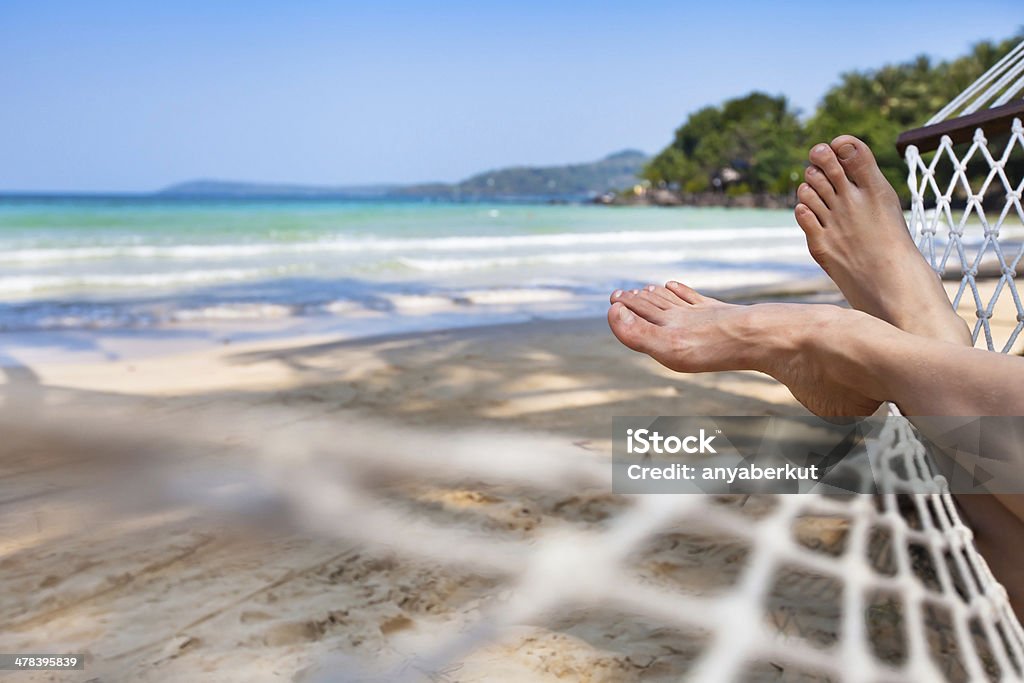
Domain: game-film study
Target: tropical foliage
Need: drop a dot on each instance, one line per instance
(758, 143)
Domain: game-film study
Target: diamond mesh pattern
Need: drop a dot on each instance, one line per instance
(966, 215)
(853, 589)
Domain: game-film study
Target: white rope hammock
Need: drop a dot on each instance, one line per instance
(953, 188)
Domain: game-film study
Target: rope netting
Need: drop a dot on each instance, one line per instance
(603, 587)
(967, 219)
(815, 587)
(996, 87)
(966, 215)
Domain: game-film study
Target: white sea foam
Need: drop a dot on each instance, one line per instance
(27, 284)
(13, 253)
(784, 252)
(235, 311)
(420, 303)
(516, 296)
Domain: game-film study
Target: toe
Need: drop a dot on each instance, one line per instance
(642, 305)
(824, 158)
(815, 177)
(650, 294)
(814, 233)
(807, 220)
(616, 295)
(688, 295)
(858, 161)
(665, 296)
(631, 329)
(809, 198)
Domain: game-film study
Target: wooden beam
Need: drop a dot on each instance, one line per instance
(961, 129)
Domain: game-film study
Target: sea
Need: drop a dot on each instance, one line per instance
(239, 269)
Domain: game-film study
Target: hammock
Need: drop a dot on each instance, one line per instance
(903, 596)
(966, 208)
(967, 219)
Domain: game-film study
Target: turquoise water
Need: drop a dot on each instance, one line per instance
(70, 263)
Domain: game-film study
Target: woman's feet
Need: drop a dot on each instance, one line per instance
(797, 344)
(856, 231)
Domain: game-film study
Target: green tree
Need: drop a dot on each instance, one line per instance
(757, 135)
(761, 138)
(878, 105)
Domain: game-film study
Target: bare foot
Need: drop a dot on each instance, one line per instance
(688, 332)
(856, 231)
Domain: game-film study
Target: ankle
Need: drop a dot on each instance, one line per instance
(842, 346)
(776, 334)
(851, 345)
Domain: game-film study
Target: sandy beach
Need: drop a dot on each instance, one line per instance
(172, 592)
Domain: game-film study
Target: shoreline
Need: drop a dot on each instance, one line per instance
(671, 198)
(83, 345)
(109, 357)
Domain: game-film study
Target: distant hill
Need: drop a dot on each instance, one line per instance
(231, 188)
(614, 172)
(573, 181)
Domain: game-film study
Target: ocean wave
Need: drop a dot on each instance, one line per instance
(27, 284)
(34, 254)
(233, 311)
(639, 256)
(55, 315)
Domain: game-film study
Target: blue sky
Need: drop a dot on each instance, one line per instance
(134, 96)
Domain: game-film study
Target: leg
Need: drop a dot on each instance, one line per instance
(855, 230)
(819, 352)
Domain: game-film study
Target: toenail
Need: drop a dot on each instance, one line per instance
(650, 288)
(625, 315)
(811, 170)
(846, 151)
(671, 283)
(820, 149)
(634, 291)
(617, 293)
